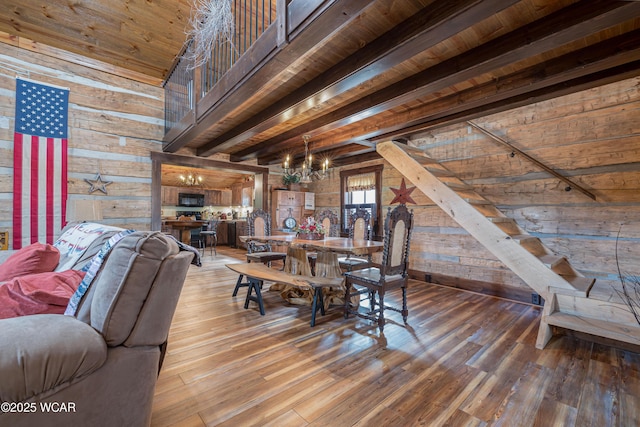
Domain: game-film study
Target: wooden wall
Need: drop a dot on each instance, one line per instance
(592, 137)
(114, 123)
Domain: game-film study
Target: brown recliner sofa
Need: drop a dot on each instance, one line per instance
(100, 367)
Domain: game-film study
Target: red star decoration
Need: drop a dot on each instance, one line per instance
(403, 194)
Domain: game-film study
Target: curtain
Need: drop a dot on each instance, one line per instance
(365, 181)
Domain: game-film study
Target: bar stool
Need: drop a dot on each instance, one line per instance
(210, 230)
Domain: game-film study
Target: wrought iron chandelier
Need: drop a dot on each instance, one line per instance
(306, 173)
(190, 180)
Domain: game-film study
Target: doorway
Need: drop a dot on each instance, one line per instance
(158, 159)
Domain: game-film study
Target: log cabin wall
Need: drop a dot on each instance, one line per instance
(591, 137)
(114, 123)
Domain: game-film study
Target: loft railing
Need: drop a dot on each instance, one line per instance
(251, 18)
(178, 95)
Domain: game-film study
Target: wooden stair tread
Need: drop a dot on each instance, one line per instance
(551, 260)
(459, 186)
(499, 219)
(524, 238)
(581, 286)
(477, 201)
(441, 173)
(601, 328)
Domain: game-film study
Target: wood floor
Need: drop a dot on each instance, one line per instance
(463, 360)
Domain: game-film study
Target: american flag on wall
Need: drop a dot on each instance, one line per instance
(39, 162)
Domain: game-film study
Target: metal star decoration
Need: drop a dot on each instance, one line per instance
(403, 194)
(98, 184)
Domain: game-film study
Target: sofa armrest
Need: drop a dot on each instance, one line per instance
(43, 351)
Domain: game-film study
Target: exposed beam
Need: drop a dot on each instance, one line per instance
(508, 89)
(421, 31)
(569, 24)
(354, 160)
(590, 81)
(333, 154)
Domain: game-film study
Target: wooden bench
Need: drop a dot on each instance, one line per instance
(258, 273)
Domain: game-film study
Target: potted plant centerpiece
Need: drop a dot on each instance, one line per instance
(309, 229)
(291, 181)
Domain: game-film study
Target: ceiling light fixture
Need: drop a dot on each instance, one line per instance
(306, 172)
(190, 180)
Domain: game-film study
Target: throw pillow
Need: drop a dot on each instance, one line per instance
(35, 258)
(38, 293)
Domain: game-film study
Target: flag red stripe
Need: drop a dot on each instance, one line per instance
(50, 173)
(17, 190)
(63, 181)
(33, 208)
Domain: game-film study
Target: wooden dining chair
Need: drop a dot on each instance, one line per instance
(259, 224)
(331, 224)
(391, 274)
(359, 228)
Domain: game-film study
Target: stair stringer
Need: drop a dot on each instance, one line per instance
(507, 249)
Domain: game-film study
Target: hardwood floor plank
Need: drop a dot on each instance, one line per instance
(463, 359)
(551, 413)
(599, 404)
(525, 397)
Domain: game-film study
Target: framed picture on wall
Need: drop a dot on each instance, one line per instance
(4, 240)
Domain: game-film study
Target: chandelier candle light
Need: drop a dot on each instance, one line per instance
(306, 172)
(190, 180)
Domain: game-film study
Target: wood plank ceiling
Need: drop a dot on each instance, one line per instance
(361, 71)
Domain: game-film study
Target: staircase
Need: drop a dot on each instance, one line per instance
(564, 289)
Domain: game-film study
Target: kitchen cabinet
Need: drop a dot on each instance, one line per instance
(170, 196)
(241, 230)
(283, 202)
(222, 231)
(236, 194)
(212, 198)
(225, 198)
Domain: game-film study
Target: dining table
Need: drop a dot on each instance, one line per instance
(327, 264)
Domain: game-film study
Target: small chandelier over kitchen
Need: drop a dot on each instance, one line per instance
(190, 180)
(306, 172)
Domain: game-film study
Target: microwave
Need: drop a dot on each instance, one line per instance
(191, 200)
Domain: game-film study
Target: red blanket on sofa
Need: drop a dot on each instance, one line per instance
(28, 284)
(38, 293)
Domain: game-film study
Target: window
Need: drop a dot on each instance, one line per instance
(360, 188)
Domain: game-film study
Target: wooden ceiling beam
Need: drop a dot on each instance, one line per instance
(333, 152)
(295, 148)
(575, 71)
(354, 160)
(590, 81)
(425, 29)
(502, 93)
(569, 24)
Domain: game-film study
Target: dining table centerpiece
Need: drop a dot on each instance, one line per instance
(310, 229)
